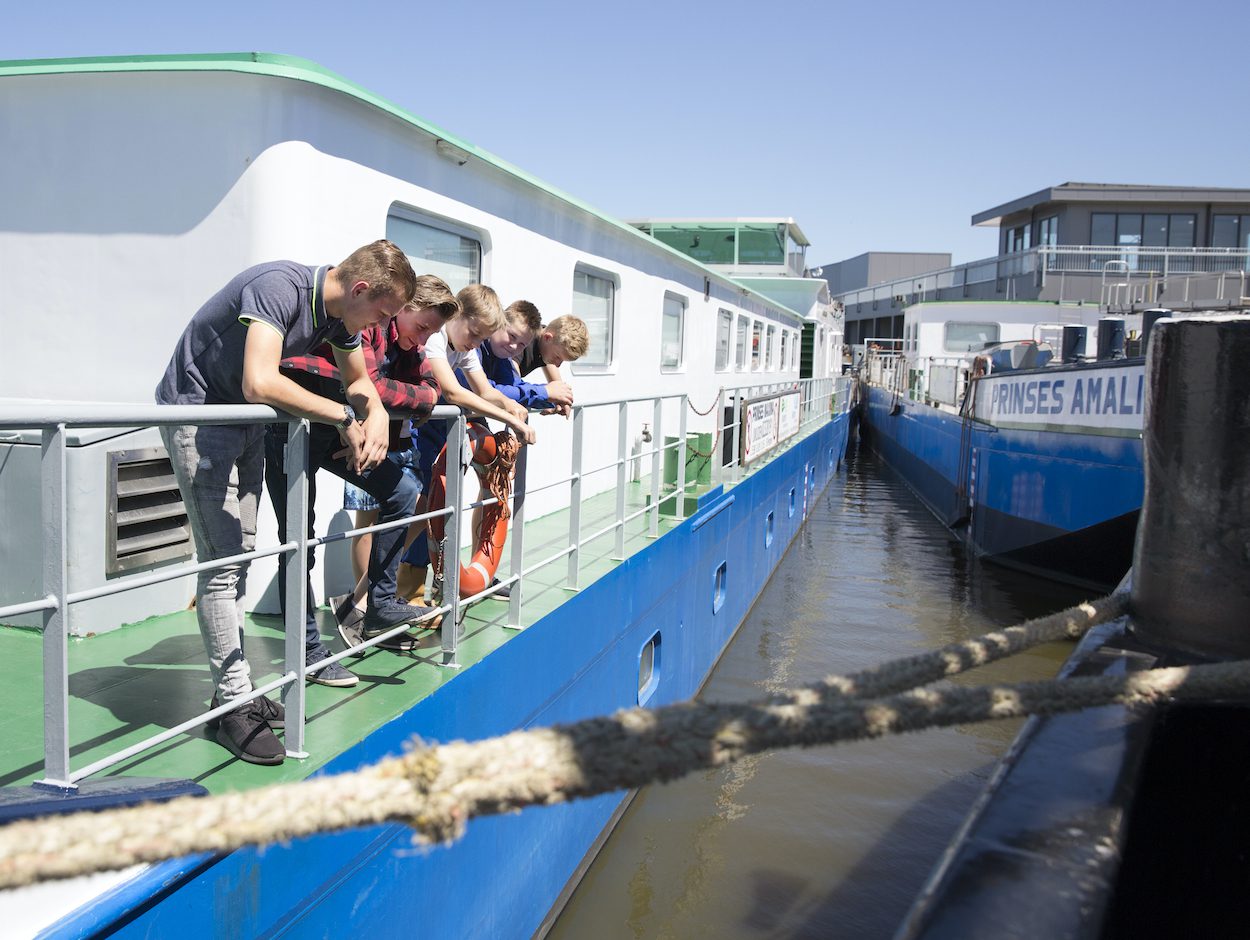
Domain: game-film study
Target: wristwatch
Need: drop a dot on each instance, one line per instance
(349, 416)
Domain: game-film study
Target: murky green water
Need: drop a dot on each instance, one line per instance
(830, 842)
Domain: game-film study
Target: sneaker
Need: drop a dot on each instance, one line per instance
(348, 617)
(393, 615)
(247, 735)
(502, 594)
(333, 675)
(271, 711)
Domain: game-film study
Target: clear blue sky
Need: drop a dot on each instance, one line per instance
(878, 126)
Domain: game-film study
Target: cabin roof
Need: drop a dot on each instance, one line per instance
(297, 68)
(1111, 193)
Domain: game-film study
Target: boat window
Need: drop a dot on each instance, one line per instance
(762, 244)
(740, 350)
(757, 343)
(770, 349)
(794, 352)
(785, 349)
(705, 243)
(593, 301)
(672, 332)
(965, 337)
(724, 335)
(436, 247)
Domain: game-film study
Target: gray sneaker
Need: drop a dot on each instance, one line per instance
(247, 735)
(271, 711)
(348, 617)
(333, 674)
(389, 617)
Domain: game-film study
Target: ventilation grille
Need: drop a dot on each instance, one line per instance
(147, 522)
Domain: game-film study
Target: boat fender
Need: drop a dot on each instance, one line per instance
(492, 457)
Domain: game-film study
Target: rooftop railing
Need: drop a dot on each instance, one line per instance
(1220, 270)
(819, 399)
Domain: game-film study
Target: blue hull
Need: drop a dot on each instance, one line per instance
(503, 878)
(1059, 504)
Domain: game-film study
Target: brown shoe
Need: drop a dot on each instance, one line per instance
(410, 582)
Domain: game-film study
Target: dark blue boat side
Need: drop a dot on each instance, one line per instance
(1062, 503)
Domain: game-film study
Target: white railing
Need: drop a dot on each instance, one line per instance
(821, 398)
(1062, 259)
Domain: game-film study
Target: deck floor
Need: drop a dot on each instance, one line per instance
(133, 682)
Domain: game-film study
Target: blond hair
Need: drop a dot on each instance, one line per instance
(571, 333)
(433, 291)
(523, 313)
(383, 266)
(480, 304)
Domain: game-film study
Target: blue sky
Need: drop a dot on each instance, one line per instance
(878, 126)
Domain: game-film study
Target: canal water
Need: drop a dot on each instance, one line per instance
(832, 841)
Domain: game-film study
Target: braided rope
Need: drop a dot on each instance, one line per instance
(436, 790)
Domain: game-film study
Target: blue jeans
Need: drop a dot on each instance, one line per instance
(218, 469)
(395, 491)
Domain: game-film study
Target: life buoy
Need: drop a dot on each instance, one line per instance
(488, 453)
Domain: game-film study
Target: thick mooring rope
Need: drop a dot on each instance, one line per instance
(436, 790)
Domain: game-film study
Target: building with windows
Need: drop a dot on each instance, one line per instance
(1122, 247)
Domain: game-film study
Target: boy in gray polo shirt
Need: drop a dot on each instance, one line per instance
(229, 354)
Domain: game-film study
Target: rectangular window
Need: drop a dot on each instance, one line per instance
(794, 352)
(1128, 229)
(1181, 231)
(593, 301)
(1048, 231)
(757, 345)
(785, 350)
(672, 331)
(436, 247)
(762, 244)
(1155, 231)
(1224, 231)
(1102, 228)
(740, 350)
(724, 336)
(966, 337)
(770, 349)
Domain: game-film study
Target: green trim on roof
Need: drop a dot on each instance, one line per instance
(303, 70)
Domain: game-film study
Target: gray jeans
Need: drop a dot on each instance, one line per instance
(219, 469)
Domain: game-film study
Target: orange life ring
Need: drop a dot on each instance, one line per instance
(480, 571)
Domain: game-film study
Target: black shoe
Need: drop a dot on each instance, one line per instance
(333, 675)
(246, 734)
(271, 711)
(502, 594)
(348, 617)
(395, 614)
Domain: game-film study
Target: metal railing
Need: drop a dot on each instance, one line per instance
(820, 398)
(1043, 260)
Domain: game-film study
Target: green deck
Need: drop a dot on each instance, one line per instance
(132, 683)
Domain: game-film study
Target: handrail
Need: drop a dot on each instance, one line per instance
(52, 419)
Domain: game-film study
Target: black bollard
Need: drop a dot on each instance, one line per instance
(1191, 563)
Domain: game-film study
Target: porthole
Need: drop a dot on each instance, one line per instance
(793, 503)
(718, 588)
(648, 668)
(769, 523)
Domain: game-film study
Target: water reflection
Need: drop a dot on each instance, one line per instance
(830, 842)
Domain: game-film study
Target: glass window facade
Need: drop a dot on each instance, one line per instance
(455, 257)
(966, 337)
(1230, 231)
(672, 332)
(1149, 230)
(1048, 231)
(594, 301)
(724, 338)
(762, 244)
(703, 243)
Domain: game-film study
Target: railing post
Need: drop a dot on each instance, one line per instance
(296, 583)
(450, 632)
(518, 539)
(736, 456)
(657, 466)
(56, 619)
(575, 499)
(718, 437)
(683, 404)
(622, 476)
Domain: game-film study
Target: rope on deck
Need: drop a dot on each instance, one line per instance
(436, 790)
